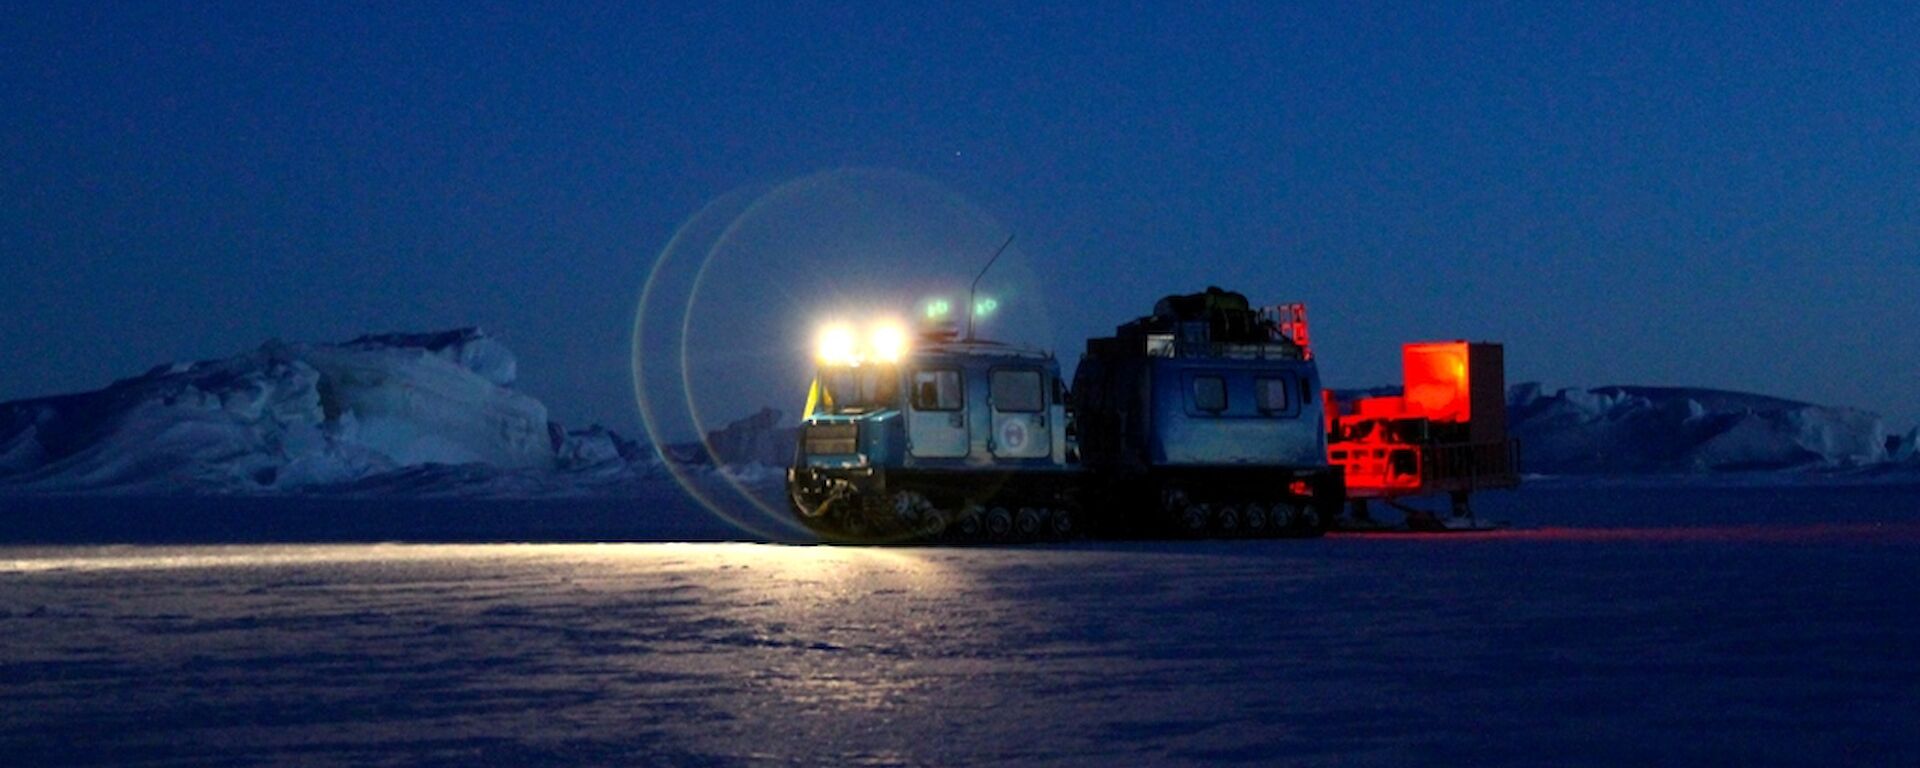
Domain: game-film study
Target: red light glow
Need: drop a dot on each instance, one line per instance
(1436, 381)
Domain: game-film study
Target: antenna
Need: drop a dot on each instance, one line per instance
(972, 309)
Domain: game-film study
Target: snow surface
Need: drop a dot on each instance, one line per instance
(1617, 627)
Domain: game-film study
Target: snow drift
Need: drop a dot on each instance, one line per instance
(1629, 430)
(284, 416)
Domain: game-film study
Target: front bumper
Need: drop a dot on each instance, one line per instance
(816, 489)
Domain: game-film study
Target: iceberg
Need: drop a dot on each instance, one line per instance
(1639, 430)
(284, 416)
(763, 439)
(1905, 449)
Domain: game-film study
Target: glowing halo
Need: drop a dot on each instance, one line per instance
(790, 191)
(649, 417)
(798, 225)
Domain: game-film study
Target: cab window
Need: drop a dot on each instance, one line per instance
(1018, 391)
(1210, 393)
(860, 390)
(937, 389)
(1271, 395)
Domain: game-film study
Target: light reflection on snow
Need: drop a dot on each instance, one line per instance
(835, 566)
(1128, 653)
(803, 562)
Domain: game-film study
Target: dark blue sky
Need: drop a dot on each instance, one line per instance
(1717, 196)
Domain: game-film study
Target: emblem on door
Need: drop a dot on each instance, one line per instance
(1013, 434)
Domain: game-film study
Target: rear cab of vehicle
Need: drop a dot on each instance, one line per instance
(1207, 415)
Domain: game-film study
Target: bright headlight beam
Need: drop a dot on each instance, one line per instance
(884, 341)
(837, 345)
(888, 341)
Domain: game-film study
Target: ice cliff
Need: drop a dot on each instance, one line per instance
(1631, 430)
(286, 416)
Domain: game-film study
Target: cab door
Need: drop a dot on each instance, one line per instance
(937, 413)
(1017, 398)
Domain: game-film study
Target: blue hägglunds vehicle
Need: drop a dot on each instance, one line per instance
(907, 439)
(1206, 418)
(1202, 419)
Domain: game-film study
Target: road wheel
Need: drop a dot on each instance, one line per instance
(1306, 520)
(909, 510)
(1227, 520)
(999, 523)
(1195, 519)
(1255, 518)
(934, 522)
(1061, 523)
(1029, 523)
(972, 524)
(1283, 517)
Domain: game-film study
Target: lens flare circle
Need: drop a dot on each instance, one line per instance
(650, 353)
(846, 243)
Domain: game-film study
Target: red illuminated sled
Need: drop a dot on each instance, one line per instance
(1446, 433)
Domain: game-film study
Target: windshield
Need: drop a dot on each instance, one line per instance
(859, 390)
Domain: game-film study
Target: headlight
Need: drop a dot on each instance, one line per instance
(888, 342)
(836, 346)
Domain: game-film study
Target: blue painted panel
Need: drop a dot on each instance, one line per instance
(1185, 432)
